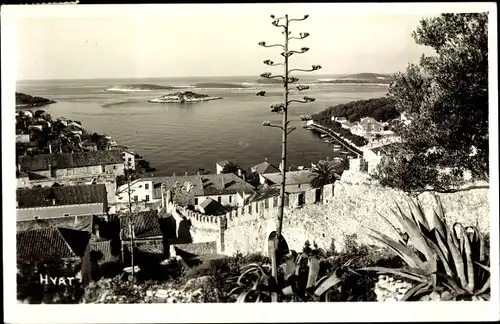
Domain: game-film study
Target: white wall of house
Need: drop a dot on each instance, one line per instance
(143, 190)
(60, 211)
(129, 157)
(114, 169)
(231, 200)
(22, 138)
(357, 130)
(23, 182)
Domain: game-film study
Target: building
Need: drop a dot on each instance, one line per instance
(339, 119)
(373, 156)
(129, 159)
(296, 181)
(225, 188)
(49, 202)
(367, 127)
(51, 243)
(219, 166)
(74, 164)
(22, 138)
(210, 207)
(264, 168)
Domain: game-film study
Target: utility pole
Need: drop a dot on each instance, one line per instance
(131, 225)
(282, 108)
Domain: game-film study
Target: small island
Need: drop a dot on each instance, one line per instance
(182, 97)
(27, 101)
(361, 78)
(138, 87)
(220, 85)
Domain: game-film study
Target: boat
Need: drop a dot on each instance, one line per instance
(324, 135)
(337, 146)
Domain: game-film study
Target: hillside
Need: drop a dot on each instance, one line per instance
(381, 109)
(138, 87)
(27, 101)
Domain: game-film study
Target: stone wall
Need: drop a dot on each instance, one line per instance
(351, 210)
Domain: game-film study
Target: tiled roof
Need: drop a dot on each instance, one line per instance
(202, 185)
(80, 223)
(70, 160)
(264, 193)
(106, 248)
(146, 224)
(265, 167)
(292, 177)
(210, 206)
(61, 196)
(51, 243)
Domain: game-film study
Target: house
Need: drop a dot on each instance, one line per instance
(48, 202)
(74, 164)
(225, 188)
(129, 159)
(373, 156)
(347, 125)
(339, 119)
(22, 138)
(210, 207)
(264, 168)
(51, 243)
(296, 181)
(219, 166)
(367, 127)
(88, 146)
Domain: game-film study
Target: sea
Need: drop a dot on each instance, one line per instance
(179, 138)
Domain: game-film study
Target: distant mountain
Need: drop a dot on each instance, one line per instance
(362, 78)
(27, 101)
(220, 85)
(267, 81)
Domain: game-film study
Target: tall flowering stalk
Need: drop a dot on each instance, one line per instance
(282, 108)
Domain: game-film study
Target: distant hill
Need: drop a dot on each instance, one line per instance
(382, 109)
(27, 101)
(220, 85)
(363, 78)
(268, 81)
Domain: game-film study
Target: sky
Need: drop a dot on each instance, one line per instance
(208, 40)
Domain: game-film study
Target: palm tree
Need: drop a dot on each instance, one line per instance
(324, 174)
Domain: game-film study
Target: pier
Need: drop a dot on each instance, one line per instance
(322, 129)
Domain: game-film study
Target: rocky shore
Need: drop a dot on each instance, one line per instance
(28, 101)
(182, 97)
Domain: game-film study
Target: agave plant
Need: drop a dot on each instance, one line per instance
(444, 263)
(264, 288)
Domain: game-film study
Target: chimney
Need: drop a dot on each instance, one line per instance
(163, 205)
(265, 159)
(96, 230)
(54, 201)
(50, 148)
(186, 173)
(198, 173)
(169, 196)
(239, 173)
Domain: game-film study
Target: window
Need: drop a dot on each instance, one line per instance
(146, 186)
(298, 186)
(196, 201)
(219, 199)
(66, 215)
(103, 168)
(136, 199)
(114, 167)
(266, 204)
(257, 207)
(230, 199)
(147, 197)
(129, 159)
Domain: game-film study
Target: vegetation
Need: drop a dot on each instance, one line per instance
(324, 175)
(230, 167)
(445, 263)
(446, 99)
(381, 109)
(27, 101)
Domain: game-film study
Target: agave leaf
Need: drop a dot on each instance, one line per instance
(243, 296)
(451, 281)
(416, 236)
(439, 224)
(397, 230)
(440, 209)
(397, 272)
(442, 246)
(458, 260)
(253, 266)
(313, 264)
(485, 287)
(326, 285)
(419, 213)
(244, 274)
(469, 265)
(441, 255)
(405, 253)
(234, 290)
(412, 292)
(483, 266)
(481, 241)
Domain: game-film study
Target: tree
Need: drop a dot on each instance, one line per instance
(445, 98)
(230, 167)
(324, 175)
(342, 166)
(282, 108)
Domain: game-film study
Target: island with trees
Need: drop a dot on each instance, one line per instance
(28, 101)
(183, 97)
(138, 87)
(381, 109)
(363, 78)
